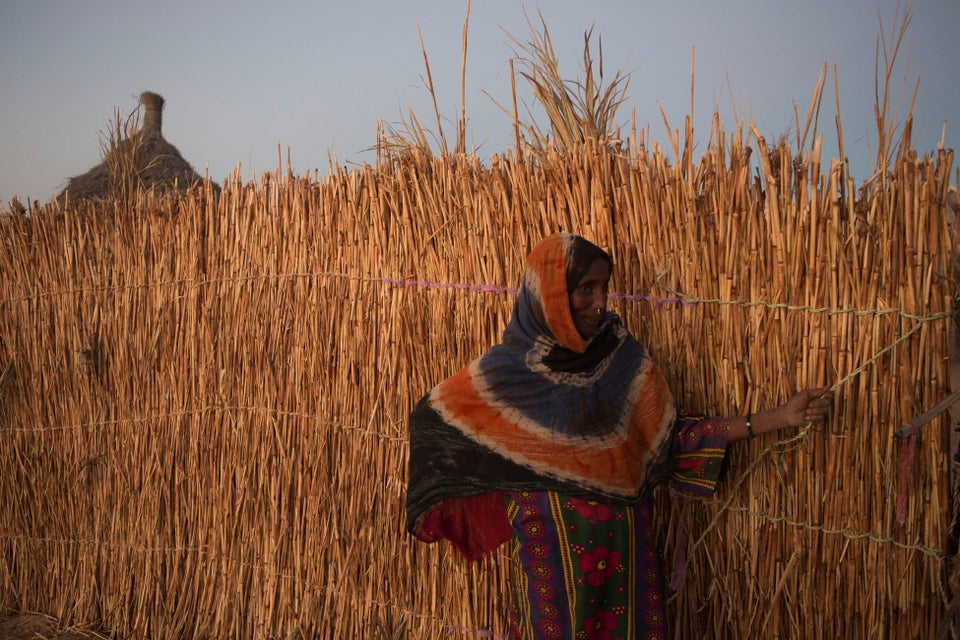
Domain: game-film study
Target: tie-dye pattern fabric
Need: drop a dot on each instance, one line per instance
(544, 410)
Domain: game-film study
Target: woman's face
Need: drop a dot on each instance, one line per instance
(588, 300)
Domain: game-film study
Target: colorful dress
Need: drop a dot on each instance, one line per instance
(586, 569)
(572, 431)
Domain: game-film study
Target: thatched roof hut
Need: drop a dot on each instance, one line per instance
(158, 163)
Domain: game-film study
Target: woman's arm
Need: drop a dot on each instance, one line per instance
(810, 405)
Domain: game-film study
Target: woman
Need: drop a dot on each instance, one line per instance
(555, 439)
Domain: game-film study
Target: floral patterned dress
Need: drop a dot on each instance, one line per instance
(587, 570)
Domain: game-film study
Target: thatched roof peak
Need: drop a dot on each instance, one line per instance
(151, 160)
(153, 112)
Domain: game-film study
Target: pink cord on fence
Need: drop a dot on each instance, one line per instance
(657, 300)
(487, 288)
(494, 288)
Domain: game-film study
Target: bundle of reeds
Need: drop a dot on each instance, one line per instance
(135, 156)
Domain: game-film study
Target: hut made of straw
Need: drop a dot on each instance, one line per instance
(145, 157)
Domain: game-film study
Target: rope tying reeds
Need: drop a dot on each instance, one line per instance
(213, 408)
(937, 554)
(693, 300)
(675, 298)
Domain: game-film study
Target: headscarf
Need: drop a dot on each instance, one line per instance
(544, 410)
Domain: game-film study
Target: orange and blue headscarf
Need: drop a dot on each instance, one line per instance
(545, 409)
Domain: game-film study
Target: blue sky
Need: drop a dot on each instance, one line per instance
(241, 78)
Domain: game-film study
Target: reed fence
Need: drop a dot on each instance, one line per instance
(204, 397)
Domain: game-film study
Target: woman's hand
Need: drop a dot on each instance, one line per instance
(809, 405)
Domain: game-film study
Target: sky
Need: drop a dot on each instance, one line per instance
(242, 79)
